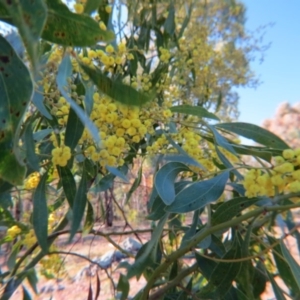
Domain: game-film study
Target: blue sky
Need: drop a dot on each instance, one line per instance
(280, 71)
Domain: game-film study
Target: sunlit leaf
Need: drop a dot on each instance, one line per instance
(70, 29)
(198, 111)
(199, 194)
(40, 214)
(255, 133)
(116, 89)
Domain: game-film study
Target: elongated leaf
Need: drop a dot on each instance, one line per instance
(64, 72)
(74, 130)
(68, 183)
(231, 208)
(40, 214)
(221, 141)
(148, 251)
(117, 173)
(79, 205)
(224, 273)
(135, 185)
(14, 77)
(30, 18)
(227, 163)
(88, 98)
(276, 289)
(38, 101)
(92, 5)
(32, 159)
(247, 150)
(32, 279)
(69, 29)
(123, 287)
(89, 219)
(183, 156)
(26, 295)
(170, 21)
(164, 180)
(199, 194)
(116, 89)
(198, 111)
(294, 266)
(255, 133)
(283, 267)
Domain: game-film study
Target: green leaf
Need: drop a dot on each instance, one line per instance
(105, 183)
(148, 251)
(248, 150)
(135, 185)
(164, 180)
(295, 268)
(117, 172)
(276, 289)
(29, 17)
(79, 205)
(32, 279)
(199, 194)
(229, 209)
(170, 21)
(283, 267)
(221, 141)
(68, 183)
(70, 29)
(88, 97)
(183, 156)
(198, 111)
(26, 294)
(255, 133)
(116, 89)
(14, 77)
(74, 130)
(65, 72)
(92, 5)
(224, 273)
(89, 219)
(40, 214)
(123, 287)
(11, 262)
(38, 96)
(31, 157)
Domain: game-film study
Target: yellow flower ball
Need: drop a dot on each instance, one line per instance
(78, 8)
(288, 154)
(126, 123)
(131, 131)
